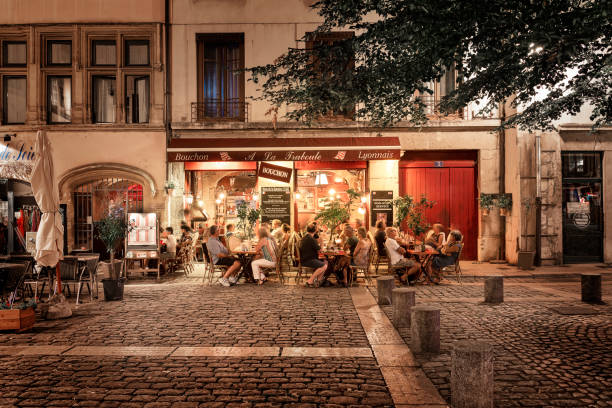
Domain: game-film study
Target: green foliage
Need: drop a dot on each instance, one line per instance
(247, 217)
(111, 231)
(486, 201)
(502, 49)
(336, 212)
(413, 212)
(505, 201)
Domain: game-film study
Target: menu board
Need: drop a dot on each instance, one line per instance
(381, 203)
(143, 233)
(276, 204)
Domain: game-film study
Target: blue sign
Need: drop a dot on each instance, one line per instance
(438, 164)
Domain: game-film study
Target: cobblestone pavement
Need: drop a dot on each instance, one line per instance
(542, 358)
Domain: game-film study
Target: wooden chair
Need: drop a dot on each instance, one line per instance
(278, 267)
(364, 271)
(33, 277)
(69, 273)
(88, 275)
(301, 269)
(456, 268)
(211, 269)
(379, 259)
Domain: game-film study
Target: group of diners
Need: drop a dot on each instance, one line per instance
(440, 251)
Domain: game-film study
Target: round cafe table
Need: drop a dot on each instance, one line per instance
(425, 258)
(246, 257)
(332, 257)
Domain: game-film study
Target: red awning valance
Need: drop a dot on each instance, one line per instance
(284, 149)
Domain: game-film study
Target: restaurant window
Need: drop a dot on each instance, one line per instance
(136, 52)
(104, 52)
(339, 59)
(14, 54)
(104, 99)
(59, 99)
(136, 99)
(220, 77)
(59, 52)
(14, 99)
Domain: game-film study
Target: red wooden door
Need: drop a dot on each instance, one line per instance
(453, 188)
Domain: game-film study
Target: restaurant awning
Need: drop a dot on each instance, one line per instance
(284, 149)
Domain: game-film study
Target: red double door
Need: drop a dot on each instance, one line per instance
(452, 185)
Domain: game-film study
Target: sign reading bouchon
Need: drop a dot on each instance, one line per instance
(274, 172)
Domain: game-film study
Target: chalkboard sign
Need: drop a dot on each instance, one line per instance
(381, 207)
(276, 204)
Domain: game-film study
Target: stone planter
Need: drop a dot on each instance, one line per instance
(525, 259)
(485, 212)
(17, 319)
(503, 212)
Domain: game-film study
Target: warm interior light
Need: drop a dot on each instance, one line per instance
(218, 201)
(364, 199)
(323, 178)
(361, 210)
(221, 195)
(255, 197)
(189, 198)
(337, 196)
(298, 196)
(338, 180)
(200, 203)
(332, 191)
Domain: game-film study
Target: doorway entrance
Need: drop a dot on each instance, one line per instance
(582, 207)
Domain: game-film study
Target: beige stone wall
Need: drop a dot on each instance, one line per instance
(80, 11)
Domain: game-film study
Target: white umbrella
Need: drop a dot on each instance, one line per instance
(50, 235)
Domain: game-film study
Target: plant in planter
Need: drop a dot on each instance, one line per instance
(412, 212)
(111, 231)
(336, 212)
(247, 218)
(169, 187)
(486, 203)
(504, 202)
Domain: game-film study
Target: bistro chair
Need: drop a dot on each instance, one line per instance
(11, 283)
(211, 269)
(456, 268)
(69, 273)
(88, 275)
(365, 271)
(278, 267)
(379, 259)
(33, 276)
(301, 269)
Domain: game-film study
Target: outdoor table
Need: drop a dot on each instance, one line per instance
(425, 258)
(332, 257)
(245, 259)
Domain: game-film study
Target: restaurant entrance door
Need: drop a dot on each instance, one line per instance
(452, 185)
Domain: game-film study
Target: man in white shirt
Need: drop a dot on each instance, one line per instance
(170, 242)
(396, 257)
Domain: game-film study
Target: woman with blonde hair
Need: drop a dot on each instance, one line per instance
(265, 255)
(362, 250)
(435, 236)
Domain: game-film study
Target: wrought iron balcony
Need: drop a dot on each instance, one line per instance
(220, 110)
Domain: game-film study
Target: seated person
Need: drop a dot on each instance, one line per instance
(309, 253)
(380, 237)
(396, 256)
(220, 256)
(185, 239)
(277, 230)
(448, 254)
(362, 250)
(435, 236)
(350, 240)
(284, 241)
(229, 231)
(170, 242)
(265, 255)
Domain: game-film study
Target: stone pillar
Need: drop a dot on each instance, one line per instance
(494, 289)
(591, 287)
(472, 375)
(425, 329)
(403, 301)
(385, 285)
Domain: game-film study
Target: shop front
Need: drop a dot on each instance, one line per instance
(287, 179)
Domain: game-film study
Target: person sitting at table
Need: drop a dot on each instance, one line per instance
(350, 240)
(435, 236)
(362, 250)
(309, 253)
(185, 239)
(203, 237)
(448, 255)
(396, 257)
(277, 230)
(265, 255)
(220, 256)
(229, 231)
(170, 242)
(284, 240)
(380, 237)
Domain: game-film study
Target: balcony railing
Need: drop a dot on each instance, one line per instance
(220, 110)
(470, 112)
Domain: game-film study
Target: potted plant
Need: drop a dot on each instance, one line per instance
(486, 203)
(111, 231)
(335, 212)
(169, 187)
(247, 218)
(412, 213)
(504, 202)
(525, 257)
(19, 316)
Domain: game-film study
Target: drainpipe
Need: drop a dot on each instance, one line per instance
(538, 200)
(502, 182)
(167, 88)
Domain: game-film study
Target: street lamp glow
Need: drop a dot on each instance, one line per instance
(221, 196)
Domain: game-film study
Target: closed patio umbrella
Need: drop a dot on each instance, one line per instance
(50, 235)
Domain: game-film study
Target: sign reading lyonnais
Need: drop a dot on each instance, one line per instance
(274, 172)
(288, 155)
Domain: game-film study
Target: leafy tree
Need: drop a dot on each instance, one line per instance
(412, 212)
(335, 211)
(111, 231)
(502, 49)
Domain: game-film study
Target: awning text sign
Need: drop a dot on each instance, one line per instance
(274, 172)
(288, 155)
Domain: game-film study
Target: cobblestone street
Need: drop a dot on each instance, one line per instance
(179, 344)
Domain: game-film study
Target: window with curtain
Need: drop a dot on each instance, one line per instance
(14, 101)
(104, 52)
(137, 99)
(59, 99)
(137, 52)
(14, 53)
(221, 82)
(104, 99)
(59, 52)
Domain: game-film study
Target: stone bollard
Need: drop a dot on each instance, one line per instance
(385, 284)
(591, 287)
(472, 375)
(403, 301)
(494, 289)
(425, 329)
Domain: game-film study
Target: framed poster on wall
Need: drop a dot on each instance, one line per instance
(381, 203)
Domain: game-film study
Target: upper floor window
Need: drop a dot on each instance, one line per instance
(59, 52)
(104, 99)
(136, 52)
(220, 77)
(104, 52)
(13, 99)
(14, 54)
(59, 99)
